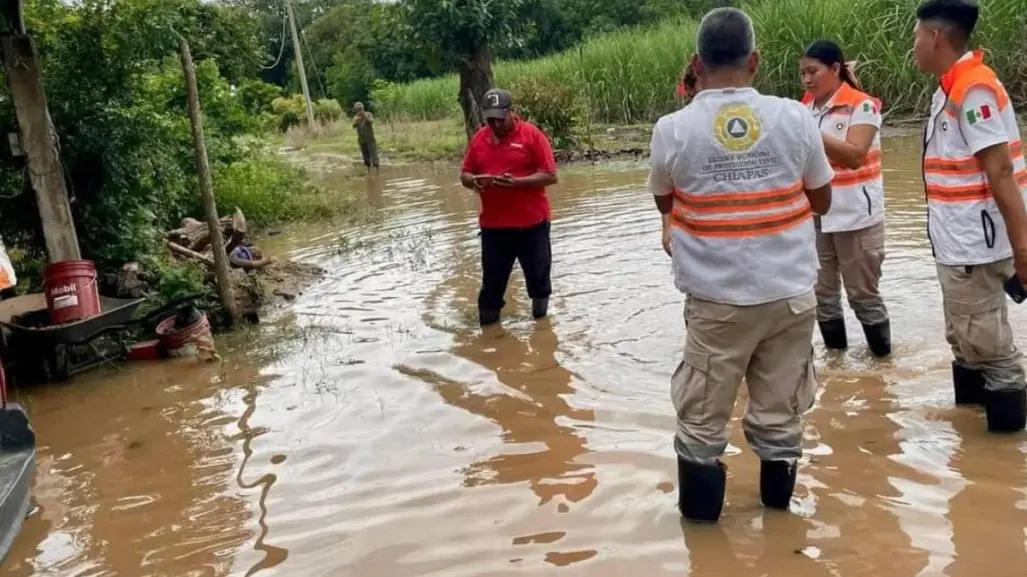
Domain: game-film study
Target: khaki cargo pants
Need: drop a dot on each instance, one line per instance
(768, 345)
(977, 322)
(853, 259)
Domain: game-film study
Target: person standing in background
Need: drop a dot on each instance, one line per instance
(363, 122)
(975, 180)
(739, 176)
(850, 238)
(509, 163)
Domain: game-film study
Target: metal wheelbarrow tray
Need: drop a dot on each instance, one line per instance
(114, 314)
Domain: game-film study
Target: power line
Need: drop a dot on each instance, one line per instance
(281, 48)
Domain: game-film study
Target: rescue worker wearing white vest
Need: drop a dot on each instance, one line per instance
(975, 182)
(850, 237)
(738, 176)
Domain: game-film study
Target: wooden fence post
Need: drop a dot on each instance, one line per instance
(210, 210)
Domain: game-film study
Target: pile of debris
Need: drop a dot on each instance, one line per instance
(192, 241)
(256, 278)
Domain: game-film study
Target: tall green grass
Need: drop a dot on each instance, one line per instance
(629, 77)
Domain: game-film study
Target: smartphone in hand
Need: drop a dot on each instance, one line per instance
(484, 180)
(1016, 290)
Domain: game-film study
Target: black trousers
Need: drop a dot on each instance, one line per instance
(500, 247)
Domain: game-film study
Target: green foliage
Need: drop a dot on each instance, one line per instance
(117, 98)
(327, 110)
(256, 96)
(268, 191)
(628, 77)
(178, 280)
(555, 108)
(292, 111)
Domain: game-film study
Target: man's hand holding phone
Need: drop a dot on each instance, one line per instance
(506, 180)
(482, 181)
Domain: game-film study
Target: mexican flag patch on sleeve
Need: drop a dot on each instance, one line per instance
(979, 114)
(869, 108)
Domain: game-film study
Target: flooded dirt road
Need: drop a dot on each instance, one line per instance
(376, 431)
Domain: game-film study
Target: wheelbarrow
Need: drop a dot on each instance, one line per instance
(71, 348)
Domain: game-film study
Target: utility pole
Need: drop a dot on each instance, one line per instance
(210, 209)
(21, 64)
(299, 63)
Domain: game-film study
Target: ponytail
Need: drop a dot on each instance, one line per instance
(828, 53)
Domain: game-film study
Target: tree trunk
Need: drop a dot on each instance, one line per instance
(475, 80)
(206, 189)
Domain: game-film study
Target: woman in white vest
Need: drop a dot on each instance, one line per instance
(850, 237)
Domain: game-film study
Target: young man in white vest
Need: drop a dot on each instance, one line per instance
(738, 176)
(975, 181)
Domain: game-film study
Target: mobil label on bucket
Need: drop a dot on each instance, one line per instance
(71, 291)
(64, 296)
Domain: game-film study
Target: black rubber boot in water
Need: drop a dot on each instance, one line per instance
(834, 334)
(879, 338)
(968, 384)
(1006, 410)
(777, 483)
(539, 308)
(488, 317)
(701, 491)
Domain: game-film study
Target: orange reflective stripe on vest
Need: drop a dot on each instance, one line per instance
(720, 214)
(844, 102)
(962, 179)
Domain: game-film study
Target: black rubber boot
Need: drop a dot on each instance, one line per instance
(834, 334)
(879, 338)
(968, 384)
(1006, 410)
(488, 317)
(701, 491)
(777, 483)
(539, 308)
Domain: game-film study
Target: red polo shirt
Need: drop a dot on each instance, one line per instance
(523, 152)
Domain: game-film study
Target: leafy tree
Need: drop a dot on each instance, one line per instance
(466, 31)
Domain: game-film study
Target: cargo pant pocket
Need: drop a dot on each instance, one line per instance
(982, 331)
(806, 388)
(689, 385)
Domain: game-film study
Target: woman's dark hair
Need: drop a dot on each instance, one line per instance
(828, 53)
(690, 78)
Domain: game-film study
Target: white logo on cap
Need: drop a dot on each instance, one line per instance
(493, 99)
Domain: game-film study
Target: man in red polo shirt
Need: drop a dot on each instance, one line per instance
(510, 163)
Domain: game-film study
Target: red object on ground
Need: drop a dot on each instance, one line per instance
(172, 338)
(71, 291)
(523, 152)
(145, 351)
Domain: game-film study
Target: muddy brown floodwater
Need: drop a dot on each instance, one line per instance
(374, 430)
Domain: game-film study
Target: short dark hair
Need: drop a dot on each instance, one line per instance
(959, 17)
(725, 38)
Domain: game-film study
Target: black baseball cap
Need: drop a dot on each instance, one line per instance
(496, 103)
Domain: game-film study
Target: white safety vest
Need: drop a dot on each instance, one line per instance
(964, 222)
(857, 196)
(738, 163)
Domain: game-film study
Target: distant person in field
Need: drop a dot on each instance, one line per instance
(509, 163)
(363, 122)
